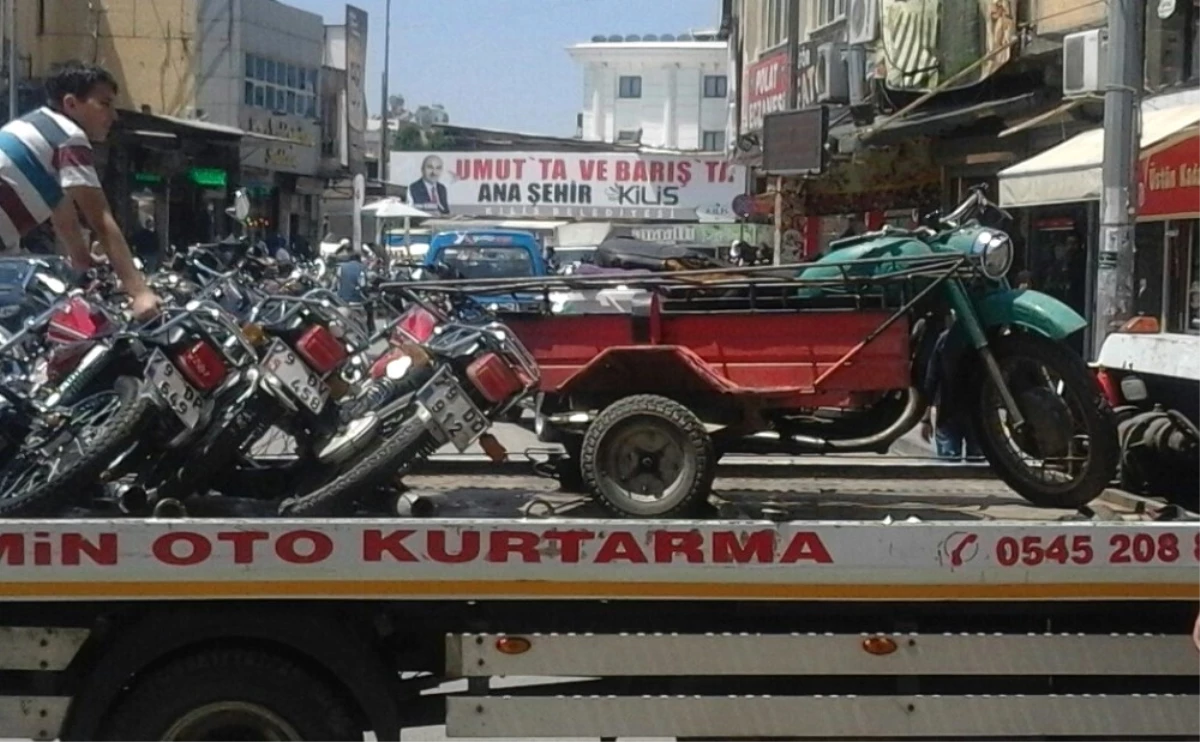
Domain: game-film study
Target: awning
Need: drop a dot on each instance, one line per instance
(1071, 172)
(931, 123)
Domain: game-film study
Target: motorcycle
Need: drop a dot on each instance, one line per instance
(442, 382)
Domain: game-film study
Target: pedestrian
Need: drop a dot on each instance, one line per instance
(48, 173)
(351, 275)
(946, 422)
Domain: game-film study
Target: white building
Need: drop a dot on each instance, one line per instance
(661, 91)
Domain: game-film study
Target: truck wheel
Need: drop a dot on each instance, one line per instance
(227, 694)
(647, 456)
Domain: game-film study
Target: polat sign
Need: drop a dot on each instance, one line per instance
(765, 85)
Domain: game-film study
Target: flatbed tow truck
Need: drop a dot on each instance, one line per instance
(879, 610)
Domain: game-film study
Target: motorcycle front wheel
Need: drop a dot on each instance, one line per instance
(339, 489)
(65, 456)
(1067, 451)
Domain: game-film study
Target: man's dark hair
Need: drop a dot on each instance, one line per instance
(75, 78)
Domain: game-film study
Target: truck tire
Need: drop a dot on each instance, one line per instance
(231, 694)
(648, 441)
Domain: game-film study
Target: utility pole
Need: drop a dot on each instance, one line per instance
(1122, 143)
(385, 132)
(793, 102)
(10, 30)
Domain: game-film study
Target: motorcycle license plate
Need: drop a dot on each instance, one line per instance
(180, 396)
(453, 413)
(295, 374)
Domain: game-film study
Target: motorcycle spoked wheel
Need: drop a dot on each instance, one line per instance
(1070, 428)
(339, 489)
(60, 461)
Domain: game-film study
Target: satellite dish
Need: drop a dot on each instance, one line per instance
(616, 37)
(598, 38)
(633, 37)
(650, 37)
(667, 37)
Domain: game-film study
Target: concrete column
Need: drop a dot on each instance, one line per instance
(599, 80)
(670, 130)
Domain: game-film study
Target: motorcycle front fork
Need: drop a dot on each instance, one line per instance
(964, 310)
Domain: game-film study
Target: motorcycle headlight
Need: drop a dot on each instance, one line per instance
(995, 253)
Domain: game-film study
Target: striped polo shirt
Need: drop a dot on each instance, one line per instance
(41, 154)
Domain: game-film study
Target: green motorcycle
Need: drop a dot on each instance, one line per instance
(1027, 400)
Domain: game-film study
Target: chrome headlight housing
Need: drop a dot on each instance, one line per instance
(994, 251)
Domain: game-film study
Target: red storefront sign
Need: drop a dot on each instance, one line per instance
(1169, 181)
(764, 89)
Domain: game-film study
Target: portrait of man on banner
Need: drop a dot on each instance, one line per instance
(428, 192)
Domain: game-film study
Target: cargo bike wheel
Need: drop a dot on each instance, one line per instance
(648, 456)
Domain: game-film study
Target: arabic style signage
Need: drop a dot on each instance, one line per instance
(569, 185)
(765, 90)
(356, 95)
(1169, 181)
(292, 147)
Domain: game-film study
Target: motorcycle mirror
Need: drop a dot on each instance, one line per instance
(241, 205)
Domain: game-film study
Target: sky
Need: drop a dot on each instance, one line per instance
(502, 64)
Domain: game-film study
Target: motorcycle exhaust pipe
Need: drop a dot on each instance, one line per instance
(169, 507)
(409, 505)
(878, 442)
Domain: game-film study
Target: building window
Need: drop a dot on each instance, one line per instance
(629, 136)
(716, 86)
(629, 86)
(829, 11)
(712, 141)
(774, 24)
(280, 87)
(1172, 47)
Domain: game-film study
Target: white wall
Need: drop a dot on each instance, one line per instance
(672, 112)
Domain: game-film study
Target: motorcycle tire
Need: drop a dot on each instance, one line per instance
(116, 436)
(390, 459)
(1080, 386)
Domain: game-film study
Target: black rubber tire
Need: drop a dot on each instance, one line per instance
(391, 458)
(1104, 450)
(121, 432)
(690, 492)
(164, 696)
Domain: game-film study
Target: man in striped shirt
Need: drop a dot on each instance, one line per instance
(47, 172)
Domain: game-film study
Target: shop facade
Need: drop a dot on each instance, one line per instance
(1056, 194)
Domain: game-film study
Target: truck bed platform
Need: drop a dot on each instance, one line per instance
(978, 550)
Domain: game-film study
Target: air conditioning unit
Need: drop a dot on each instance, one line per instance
(862, 20)
(833, 82)
(1084, 63)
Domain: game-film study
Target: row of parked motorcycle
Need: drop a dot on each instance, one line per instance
(251, 393)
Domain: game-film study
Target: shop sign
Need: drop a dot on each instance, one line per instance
(766, 84)
(793, 142)
(292, 147)
(1169, 181)
(569, 185)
